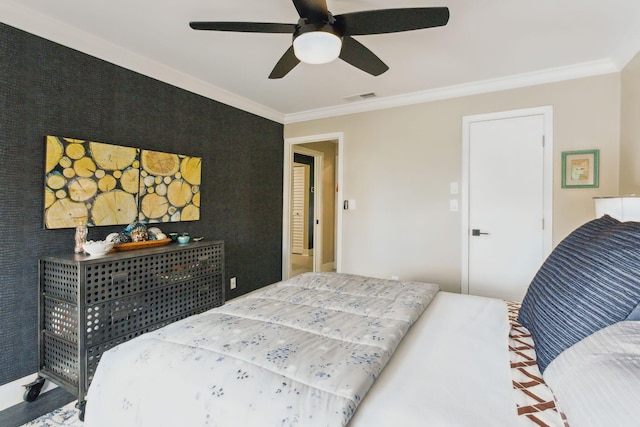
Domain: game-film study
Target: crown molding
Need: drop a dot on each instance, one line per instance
(587, 69)
(25, 19)
(628, 48)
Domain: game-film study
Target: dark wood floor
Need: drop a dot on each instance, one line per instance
(26, 411)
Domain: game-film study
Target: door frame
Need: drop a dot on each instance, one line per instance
(318, 163)
(547, 236)
(289, 144)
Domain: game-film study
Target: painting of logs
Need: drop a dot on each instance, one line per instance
(169, 187)
(96, 184)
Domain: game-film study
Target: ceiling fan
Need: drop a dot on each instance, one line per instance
(320, 37)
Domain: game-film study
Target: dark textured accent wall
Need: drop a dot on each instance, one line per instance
(46, 88)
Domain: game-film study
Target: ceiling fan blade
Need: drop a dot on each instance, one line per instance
(316, 10)
(392, 20)
(286, 63)
(244, 27)
(360, 57)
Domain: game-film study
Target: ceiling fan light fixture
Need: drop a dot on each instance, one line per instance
(320, 37)
(317, 47)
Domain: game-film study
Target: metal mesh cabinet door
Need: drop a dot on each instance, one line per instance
(89, 305)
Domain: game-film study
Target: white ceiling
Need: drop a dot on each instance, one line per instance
(487, 45)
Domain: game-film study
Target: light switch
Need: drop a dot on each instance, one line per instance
(453, 205)
(352, 204)
(453, 188)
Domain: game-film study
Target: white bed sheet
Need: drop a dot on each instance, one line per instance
(451, 369)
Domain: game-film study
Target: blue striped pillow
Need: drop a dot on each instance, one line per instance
(591, 280)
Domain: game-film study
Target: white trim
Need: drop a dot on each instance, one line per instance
(26, 19)
(586, 69)
(12, 393)
(627, 48)
(330, 266)
(286, 195)
(318, 220)
(19, 16)
(547, 113)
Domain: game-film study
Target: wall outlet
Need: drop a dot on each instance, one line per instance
(395, 278)
(233, 283)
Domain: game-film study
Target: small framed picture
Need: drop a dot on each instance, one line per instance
(580, 169)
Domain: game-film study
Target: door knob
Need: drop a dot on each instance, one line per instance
(476, 232)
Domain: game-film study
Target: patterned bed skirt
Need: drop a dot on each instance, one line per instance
(534, 399)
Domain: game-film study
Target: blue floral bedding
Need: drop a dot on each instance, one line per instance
(302, 352)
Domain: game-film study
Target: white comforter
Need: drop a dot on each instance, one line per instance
(301, 352)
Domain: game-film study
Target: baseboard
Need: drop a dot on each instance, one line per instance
(330, 266)
(12, 393)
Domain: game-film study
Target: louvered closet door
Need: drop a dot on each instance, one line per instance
(297, 211)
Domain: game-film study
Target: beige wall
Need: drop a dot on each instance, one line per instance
(398, 164)
(630, 129)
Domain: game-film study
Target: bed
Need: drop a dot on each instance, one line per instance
(331, 349)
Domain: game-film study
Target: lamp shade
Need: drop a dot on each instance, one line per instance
(620, 208)
(317, 47)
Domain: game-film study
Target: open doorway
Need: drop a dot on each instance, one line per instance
(307, 215)
(311, 214)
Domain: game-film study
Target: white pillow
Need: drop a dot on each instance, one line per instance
(596, 381)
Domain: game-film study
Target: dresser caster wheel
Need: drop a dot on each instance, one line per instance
(81, 406)
(33, 389)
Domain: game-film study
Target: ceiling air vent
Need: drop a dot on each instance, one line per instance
(359, 97)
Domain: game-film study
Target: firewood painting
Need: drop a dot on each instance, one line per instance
(169, 187)
(89, 182)
(104, 184)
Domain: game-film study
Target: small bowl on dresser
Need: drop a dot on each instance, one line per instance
(183, 239)
(97, 248)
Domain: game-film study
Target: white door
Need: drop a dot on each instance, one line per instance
(507, 186)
